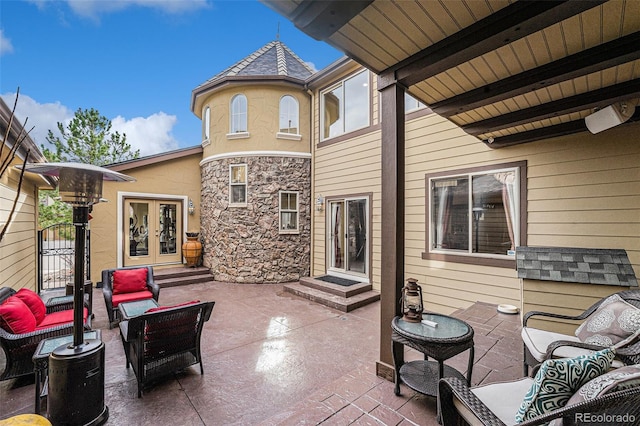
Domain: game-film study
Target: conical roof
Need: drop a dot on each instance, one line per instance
(273, 59)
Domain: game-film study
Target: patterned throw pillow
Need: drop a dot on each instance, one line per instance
(558, 379)
(615, 380)
(612, 322)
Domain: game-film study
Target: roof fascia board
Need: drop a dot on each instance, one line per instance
(320, 19)
(155, 159)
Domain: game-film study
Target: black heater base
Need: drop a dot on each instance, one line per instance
(76, 385)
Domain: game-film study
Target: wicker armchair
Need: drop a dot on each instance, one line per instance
(164, 341)
(540, 345)
(459, 405)
(19, 348)
(111, 302)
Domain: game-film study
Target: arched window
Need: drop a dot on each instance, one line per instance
(206, 122)
(238, 114)
(289, 115)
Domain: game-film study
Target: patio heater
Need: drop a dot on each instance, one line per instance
(76, 371)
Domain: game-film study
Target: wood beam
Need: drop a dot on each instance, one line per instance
(563, 129)
(606, 55)
(508, 24)
(596, 98)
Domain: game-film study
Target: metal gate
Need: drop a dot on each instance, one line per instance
(56, 253)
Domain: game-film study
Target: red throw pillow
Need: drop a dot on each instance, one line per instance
(129, 280)
(164, 308)
(33, 302)
(16, 317)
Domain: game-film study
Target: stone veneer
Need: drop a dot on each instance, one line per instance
(243, 244)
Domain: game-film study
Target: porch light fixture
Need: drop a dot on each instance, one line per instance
(190, 207)
(609, 117)
(80, 365)
(319, 202)
(412, 306)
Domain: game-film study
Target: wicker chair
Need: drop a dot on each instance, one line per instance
(459, 405)
(112, 303)
(540, 345)
(164, 341)
(19, 348)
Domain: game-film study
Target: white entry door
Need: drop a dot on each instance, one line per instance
(348, 236)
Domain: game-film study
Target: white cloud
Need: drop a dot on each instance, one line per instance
(5, 44)
(93, 8)
(150, 135)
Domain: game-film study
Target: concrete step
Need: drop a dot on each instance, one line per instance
(336, 289)
(344, 304)
(171, 277)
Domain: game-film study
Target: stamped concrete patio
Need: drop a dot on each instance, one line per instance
(271, 358)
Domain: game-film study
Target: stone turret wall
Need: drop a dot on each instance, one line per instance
(243, 244)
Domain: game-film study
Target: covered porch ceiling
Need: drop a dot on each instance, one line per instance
(506, 72)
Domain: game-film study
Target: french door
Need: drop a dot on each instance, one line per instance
(154, 228)
(348, 236)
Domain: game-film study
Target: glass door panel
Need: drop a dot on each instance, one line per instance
(357, 236)
(336, 232)
(155, 230)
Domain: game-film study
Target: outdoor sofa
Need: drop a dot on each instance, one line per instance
(24, 325)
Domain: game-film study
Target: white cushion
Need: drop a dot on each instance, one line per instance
(504, 398)
(537, 341)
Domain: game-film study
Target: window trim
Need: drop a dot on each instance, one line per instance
(245, 184)
(341, 83)
(232, 115)
(296, 211)
(286, 135)
(470, 258)
(206, 123)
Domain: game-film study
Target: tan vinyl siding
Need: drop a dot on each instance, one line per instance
(561, 298)
(18, 247)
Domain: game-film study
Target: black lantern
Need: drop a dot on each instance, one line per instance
(412, 301)
(76, 371)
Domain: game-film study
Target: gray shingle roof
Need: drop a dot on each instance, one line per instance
(273, 59)
(575, 265)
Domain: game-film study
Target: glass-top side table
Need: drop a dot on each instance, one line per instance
(41, 359)
(447, 339)
(136, 308)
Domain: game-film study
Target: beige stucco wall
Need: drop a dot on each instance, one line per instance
(18, 249)
(583, 191)
(263, 102)
(177, 177)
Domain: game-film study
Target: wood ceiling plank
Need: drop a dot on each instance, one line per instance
(410, 33)
(387, 35)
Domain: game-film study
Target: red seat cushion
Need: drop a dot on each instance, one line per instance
(16, 317)
(33, 301)
(129, 280)
(59, 318)
(117, 299)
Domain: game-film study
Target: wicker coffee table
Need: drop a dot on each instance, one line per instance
(450, 337)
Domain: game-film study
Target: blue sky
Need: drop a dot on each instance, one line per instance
(135, 61)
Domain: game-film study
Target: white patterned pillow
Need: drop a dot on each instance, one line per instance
(615, 380)
(612, 322)
(558, 379)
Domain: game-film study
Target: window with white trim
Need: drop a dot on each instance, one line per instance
(475, 213)
(206, 122)
(345, 106)
(238, 185)
(238, 114)
(289, 115)
(288, 212)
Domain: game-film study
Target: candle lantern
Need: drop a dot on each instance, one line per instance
(412, 301)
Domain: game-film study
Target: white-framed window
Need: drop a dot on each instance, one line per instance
(289, 115)
(238, 109)
(345, 106)
(288, 207)
(206, 123)
(476, 213)
(411, 104)
(238, 185)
